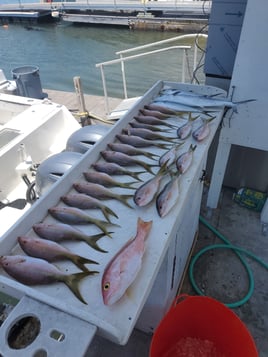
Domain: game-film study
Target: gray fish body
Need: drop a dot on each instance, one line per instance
(35, 271)
(139, 142)
(147, 134)
(73, 215)
(200, 101)
(100, 192)
(112, 168)
(168, 197)
(58, 232)
(152, 121)
(83, 201)
(154, 113)
(162, 109)
(130, 150)
(51, 251)
(106, 180)
(137, 125)
(124, 160)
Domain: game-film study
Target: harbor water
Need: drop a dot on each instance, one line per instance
(63, 51)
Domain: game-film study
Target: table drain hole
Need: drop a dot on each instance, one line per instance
(23, 332)
(57, 335)
(40, 353)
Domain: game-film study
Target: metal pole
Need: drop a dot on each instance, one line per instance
(105, 90)
(123, 76)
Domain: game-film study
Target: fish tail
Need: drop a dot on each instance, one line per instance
(163, 146)
(136, 174)
(151, 155)
(103, 226)
(191, 118)
(73, 280)
(92, 241)
(81, 261)
(127, 185)
(107, 212)
(124, 199)
(148, 167)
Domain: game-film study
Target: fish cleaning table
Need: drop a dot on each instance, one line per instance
(166, 253)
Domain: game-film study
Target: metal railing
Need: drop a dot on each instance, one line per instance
(124, 59)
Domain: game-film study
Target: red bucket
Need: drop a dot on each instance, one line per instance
(193, 320)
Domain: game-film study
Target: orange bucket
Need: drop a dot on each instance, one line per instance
(200, 319)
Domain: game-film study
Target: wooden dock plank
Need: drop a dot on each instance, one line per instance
(94, 104)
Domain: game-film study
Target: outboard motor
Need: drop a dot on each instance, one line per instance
(83, 139)
(53, 168)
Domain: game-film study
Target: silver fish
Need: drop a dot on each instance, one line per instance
(106, 180)
(83, 201)
(146, 119)
(125, 160)
(131, 150)
(184, 160)
(100, 192)
(169, 157)
(58, 232)
(73, 215)
(179, 106)
(114, 169)
(51, 251)
(168, 197)
(139, 142)
(146, 192)
(147, 134)
(185, 130)
(163, 109)
(35, 271)
(154, 113)
(203, 130)
(204, 102)
(136, 124)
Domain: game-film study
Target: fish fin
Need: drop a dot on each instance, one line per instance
(107, 212)
(124, 199)
(81, 261)
(92, 241)
(73, 280)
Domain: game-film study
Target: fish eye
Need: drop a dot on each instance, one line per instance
(106, 286)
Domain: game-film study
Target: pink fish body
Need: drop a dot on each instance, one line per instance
(124, 267)
(184, 160)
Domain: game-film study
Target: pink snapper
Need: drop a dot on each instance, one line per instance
(124, 267)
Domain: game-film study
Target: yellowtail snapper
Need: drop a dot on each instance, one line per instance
(73, 215)
(58, 232)
(125, 160)
(106, 180)
(101, 192)
(35, 271)
(83, 201)
(51, 251)
(115, 169)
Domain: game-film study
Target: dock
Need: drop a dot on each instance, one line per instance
(134, 14)
(94, 104)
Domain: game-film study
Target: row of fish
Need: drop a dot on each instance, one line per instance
(133, 147)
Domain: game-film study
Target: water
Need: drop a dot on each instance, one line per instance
(62, 51)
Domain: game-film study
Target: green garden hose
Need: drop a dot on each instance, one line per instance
(239, 252)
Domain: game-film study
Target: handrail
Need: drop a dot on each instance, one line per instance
(128, 58)
(123, 58)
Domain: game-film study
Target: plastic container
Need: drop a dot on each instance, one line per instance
(249, 198)
(28, 82)
(202, 318)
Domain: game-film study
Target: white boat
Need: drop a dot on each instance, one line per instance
(170, 245)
